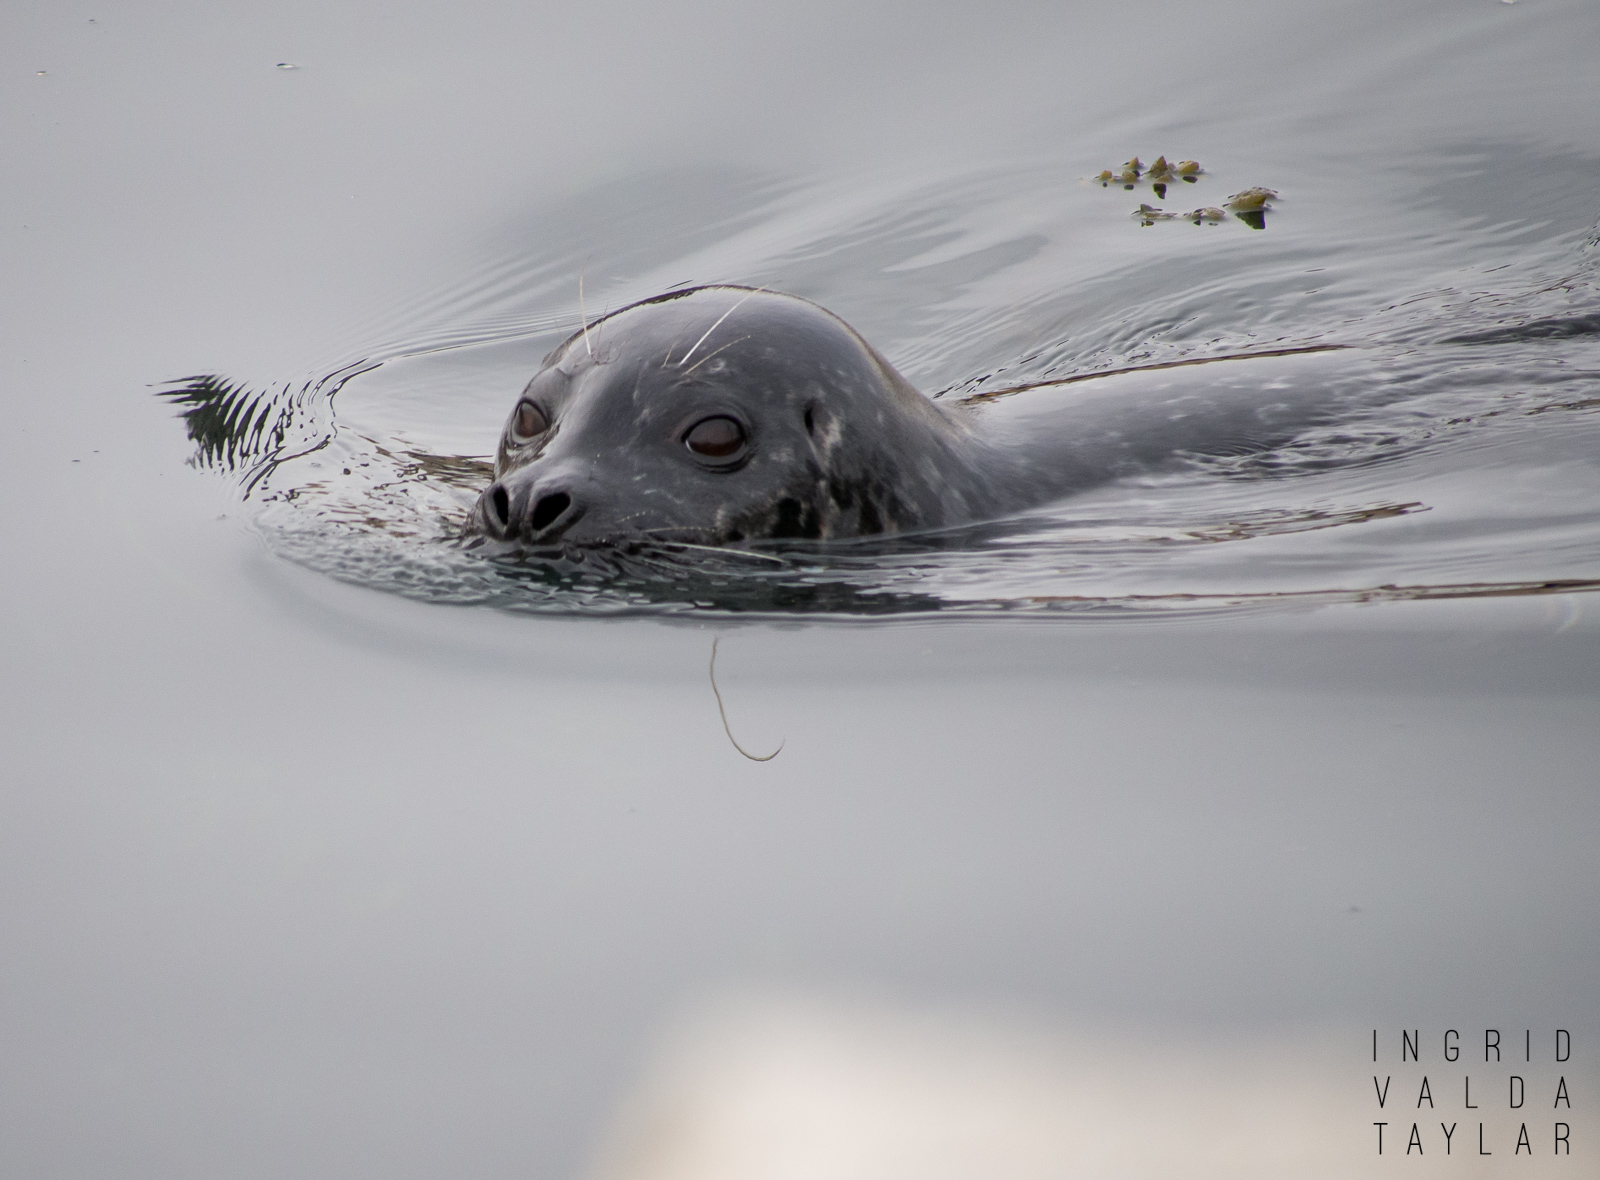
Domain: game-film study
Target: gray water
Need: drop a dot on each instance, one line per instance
(331, 847)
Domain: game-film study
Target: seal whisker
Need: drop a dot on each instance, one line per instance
(711, 354)
(714, 326)
(582, 317)
(724, 714)
(723, 551)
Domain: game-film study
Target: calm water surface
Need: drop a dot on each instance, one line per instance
(1446, 449)
(331, 846)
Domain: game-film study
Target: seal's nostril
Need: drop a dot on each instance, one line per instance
(502, 505)
(548, 509)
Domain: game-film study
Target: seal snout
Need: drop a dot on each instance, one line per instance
(539, 514)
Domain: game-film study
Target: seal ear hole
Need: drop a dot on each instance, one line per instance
(549, 509)
(811, 420)
(502, 505)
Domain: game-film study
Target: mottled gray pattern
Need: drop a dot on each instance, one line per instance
(839, 444)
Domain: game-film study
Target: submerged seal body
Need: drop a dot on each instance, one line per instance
(724, 414)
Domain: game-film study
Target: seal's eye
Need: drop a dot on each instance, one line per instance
(715, 438)
(528, 422)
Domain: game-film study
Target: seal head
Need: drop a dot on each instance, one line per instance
(720, 415)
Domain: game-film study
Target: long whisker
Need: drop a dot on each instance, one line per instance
(711, 354)
(714, 327)
(722, 551)
(582, 317)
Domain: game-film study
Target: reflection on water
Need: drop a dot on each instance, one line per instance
(1249, 206)
(784, 1085)
(247, 432)
(1421, 456)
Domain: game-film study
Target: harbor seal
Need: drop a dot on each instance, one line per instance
(717, 415)
(720, 415)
